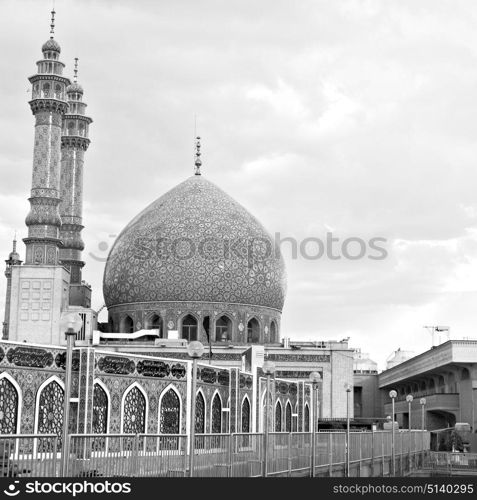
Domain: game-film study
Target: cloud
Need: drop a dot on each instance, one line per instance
(352, 115)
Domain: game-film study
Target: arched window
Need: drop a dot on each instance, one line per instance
(50, 414)
(170, 412)
(199, 414)
(278, 417)
(216, 415)
(154, 323)
(189, 328)
(100, 410)
(246, 415)
(71, 126)
(307, 418)
(128, 325)
(134, 412)
(81, 130)
(273, 332)
(253, 331)
(288, 418)
(223, 329)
(9, 401)
(58, 91)
(46, 89)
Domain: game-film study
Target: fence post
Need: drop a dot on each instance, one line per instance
(402, 454)
(360, 453)
(289, 455)
(231, 456)
(382, 453)
(135, 456)
(67, 457)
(55, 456)
(330, 452)
(372, 453)
(183, 439)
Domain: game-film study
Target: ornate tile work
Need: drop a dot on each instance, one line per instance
(195, 243)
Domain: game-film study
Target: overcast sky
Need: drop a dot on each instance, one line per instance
(351, 117)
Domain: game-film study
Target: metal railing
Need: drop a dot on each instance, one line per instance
(29, 455)
(215, 455)
(449, 463)
(127, 455)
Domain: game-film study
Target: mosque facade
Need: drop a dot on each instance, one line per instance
(193, 265)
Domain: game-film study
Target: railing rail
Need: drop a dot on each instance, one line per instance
(215, 455)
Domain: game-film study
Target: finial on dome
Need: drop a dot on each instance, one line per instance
(52, 25)
(198, 163)
(75, 79)
(15, 242)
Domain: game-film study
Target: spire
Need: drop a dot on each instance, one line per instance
(198, 163)
(52, 25)
(75, 79)
(15, 243)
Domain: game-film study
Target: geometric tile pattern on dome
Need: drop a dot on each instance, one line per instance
(195, 243)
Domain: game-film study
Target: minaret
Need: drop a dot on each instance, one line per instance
(13, 260)
(48, 104)
(74, 143)
(40, 287)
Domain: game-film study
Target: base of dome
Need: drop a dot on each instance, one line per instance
(211, 321)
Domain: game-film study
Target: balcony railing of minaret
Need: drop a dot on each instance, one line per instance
(78, 131)
(47, 67)
(47, 92)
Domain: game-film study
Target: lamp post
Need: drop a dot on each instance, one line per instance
(315, 378)
(195, 349)
(393, 395)
(348, 392)
(71, 324)
(409, 399)
(423, 402)
(268, 369)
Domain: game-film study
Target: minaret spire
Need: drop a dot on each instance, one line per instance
(75, 78)
(52, 25)
(198, 162)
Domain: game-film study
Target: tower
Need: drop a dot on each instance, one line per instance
(39, 288)
(48, 105)
(74, 143)
(13, 260)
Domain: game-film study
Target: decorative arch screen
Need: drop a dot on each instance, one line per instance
(170, 413)
(278, 417)
(134, 412)
(288, 418)
(216, 415)
(199, 414)
(245, 416)
(100, 410)
(50, 414)
(8, 407)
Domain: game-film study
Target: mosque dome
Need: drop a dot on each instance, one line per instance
(74, 87)
(51, 44)
(195, 243)
(14, 256)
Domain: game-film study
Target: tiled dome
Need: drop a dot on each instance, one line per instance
(195, 243)
(51, 44)
(74, 87)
